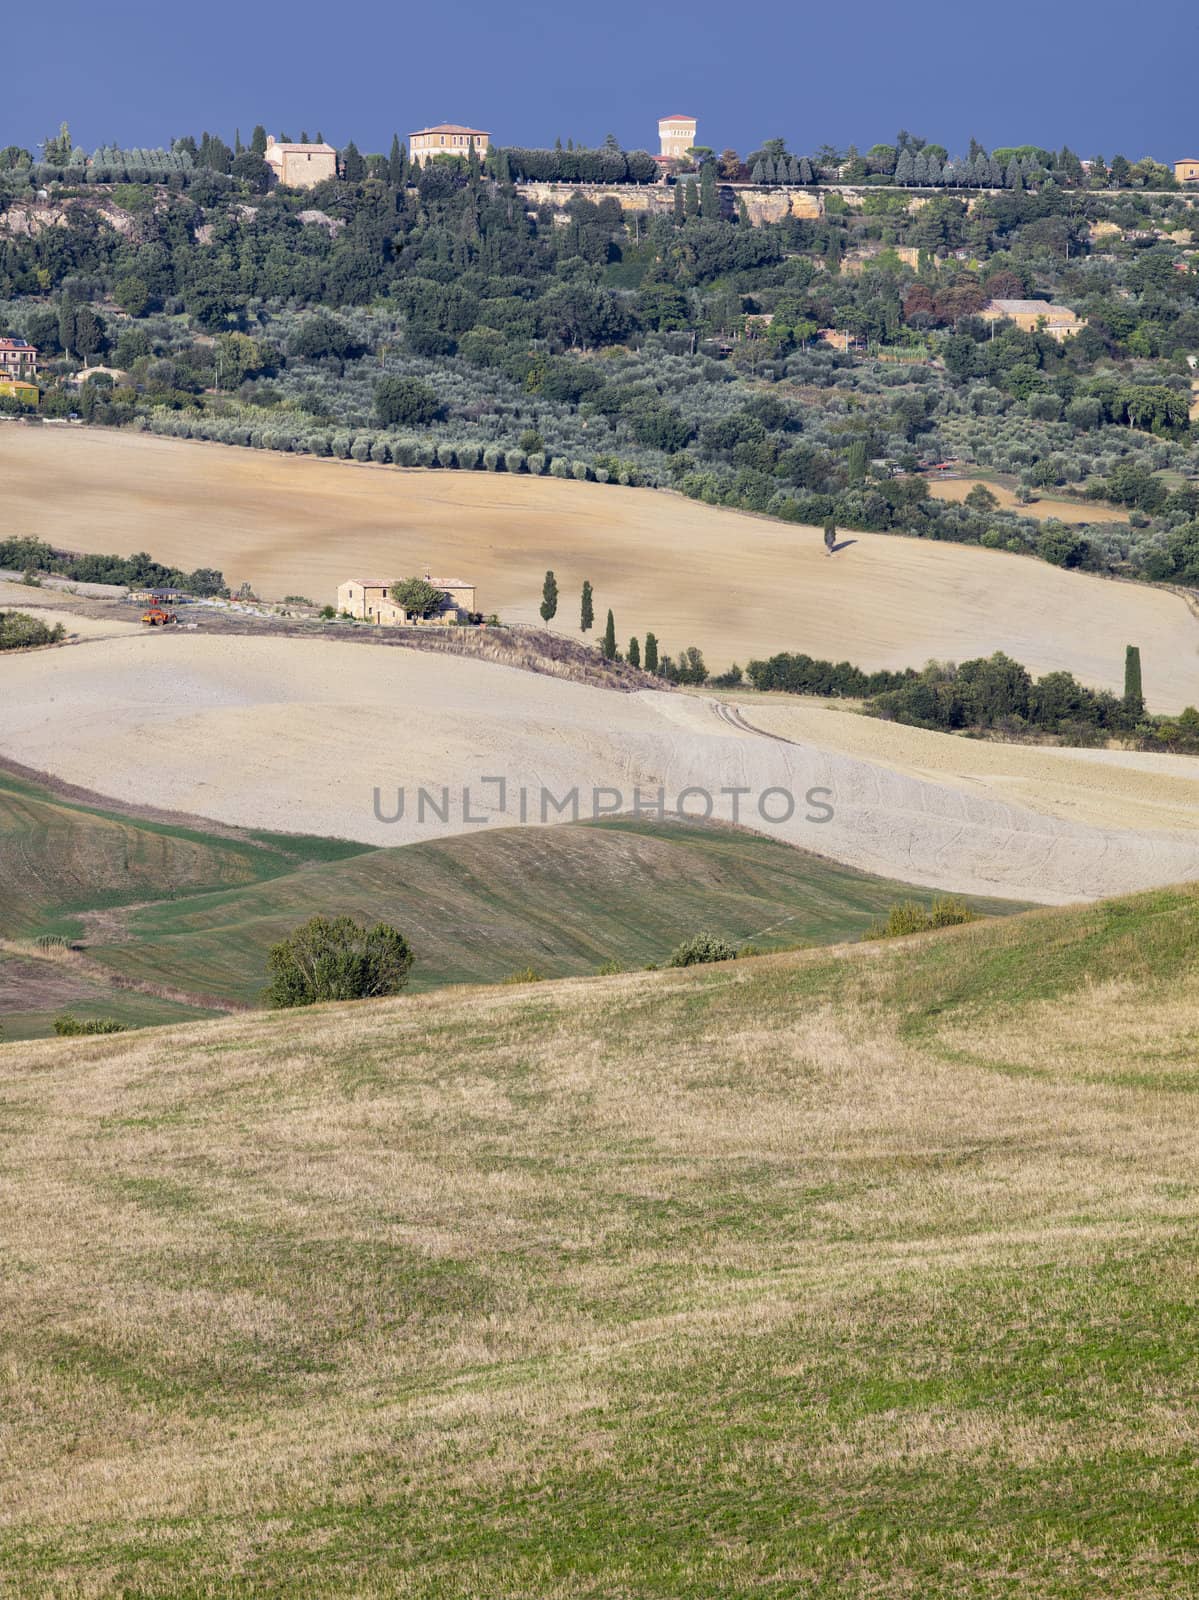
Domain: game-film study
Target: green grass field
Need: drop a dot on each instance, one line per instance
(861, 1273)
(196, 913)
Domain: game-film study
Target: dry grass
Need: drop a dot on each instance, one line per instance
(733, 584)
(1042, 508)
(866, 1274)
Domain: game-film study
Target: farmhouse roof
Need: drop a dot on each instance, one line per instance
(679, 118)
(1030, 308)
(16, 344)
(273, 144)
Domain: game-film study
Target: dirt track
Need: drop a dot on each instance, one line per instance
(297, 735)
(737, 586)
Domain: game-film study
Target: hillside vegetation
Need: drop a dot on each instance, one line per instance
(190, 916)
(562, 900)
(850, 1273)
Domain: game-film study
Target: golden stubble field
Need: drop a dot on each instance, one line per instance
(738, 586)
(298, 734)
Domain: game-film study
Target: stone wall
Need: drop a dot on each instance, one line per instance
(763, 205)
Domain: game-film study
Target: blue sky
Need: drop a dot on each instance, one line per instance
(139, 72)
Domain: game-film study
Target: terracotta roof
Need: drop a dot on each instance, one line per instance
(451, 127)
(325, 149)
(679, 118)
(1031, 308)
(7, 343)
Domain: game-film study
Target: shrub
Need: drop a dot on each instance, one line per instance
(337, 959)
(700, 949)
(525, 975)
(21, 632)
(68, 1026)
(909, 916)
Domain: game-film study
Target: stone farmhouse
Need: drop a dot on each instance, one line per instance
(1187, 171)
(367, 599)
(18, 358)
(300, 166)
(1060, 322)
(447, 139)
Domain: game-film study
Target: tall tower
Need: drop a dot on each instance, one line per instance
(676, 135)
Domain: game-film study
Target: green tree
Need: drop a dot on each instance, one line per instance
(131, 294)
(418, 596)
(251, 170)
(549, 597)
(353, 167)
(651, 652)
(587, 612)
(709, 200)
(258, 140)
(401, 401)
(57, 152)
(609, 645)
(335, 958)
(1134, 697)
(397, 163)
(634, 652)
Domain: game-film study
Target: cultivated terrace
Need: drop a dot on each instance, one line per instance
(811, 368)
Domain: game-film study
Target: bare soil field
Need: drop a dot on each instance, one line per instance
(737, 586)
(297, 735)
(1043, 508)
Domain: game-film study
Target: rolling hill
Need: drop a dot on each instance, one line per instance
(734, 584)
(836, 1273)
(175, 922)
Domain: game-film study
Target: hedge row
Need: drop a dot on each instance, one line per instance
(377, 447)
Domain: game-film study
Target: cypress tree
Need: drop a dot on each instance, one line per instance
(634, 652)
(678, 202)
(1134, 698)
(353, 168)
(609, 645)
(691, 199)
(709, 204)
(258, 140)
(651, 652)
(806, 175)
(758, 175)
(587, 614)
(395, 163)
(549, 597)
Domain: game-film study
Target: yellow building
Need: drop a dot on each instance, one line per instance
(447, 139)
(368, 600)
(1187, 171)
(1059, 322)
(676, 135)
(18, 389)
(300, 166)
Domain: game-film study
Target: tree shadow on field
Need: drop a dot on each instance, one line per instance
(842, 544)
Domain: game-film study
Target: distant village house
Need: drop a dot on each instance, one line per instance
(447, 139)
(368, 600)
(300, 166)
(1059, 322)
(18, 358)
(1187, 171)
